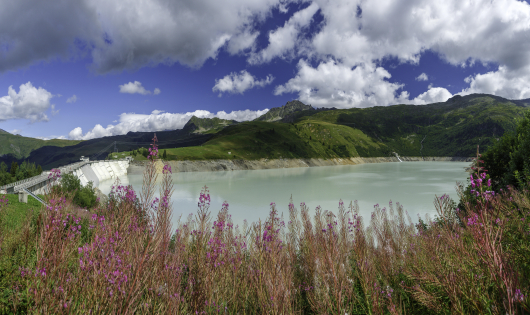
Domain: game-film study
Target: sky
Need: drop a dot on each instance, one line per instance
(93, 68)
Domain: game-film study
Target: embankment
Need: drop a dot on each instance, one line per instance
(137, 167)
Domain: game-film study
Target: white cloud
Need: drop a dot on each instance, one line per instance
(156, 91)
(503, 82)
(54, 112)
(461, 32)
(282, 41)
(126, 34)
(433, 95)
(15, 131)
(134, 87)
(157, 121)
(333, 84)
(130, 34)
(51, 137)
(29, 103)
(422, 77)
(242, 41)
(239, 83)
(241, 115)
(282, 7)
(489, 31)
(72, 99)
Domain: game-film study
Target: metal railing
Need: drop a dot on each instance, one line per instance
(34, 196)
(28, 182)
(32, 181)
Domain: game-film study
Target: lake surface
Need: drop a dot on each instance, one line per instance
(249, 193)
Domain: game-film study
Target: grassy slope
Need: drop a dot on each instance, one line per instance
(208, 125)
(255, 140)
(448, 129)
(16, 212)
(452, 129)
(21, 147)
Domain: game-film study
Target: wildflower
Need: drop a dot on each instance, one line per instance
(519, 297)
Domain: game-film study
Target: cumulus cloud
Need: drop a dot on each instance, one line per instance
(282, 41)
(123, 35)
(156, 91)
(51, 137)
(239, 82)
(422, 77)
(120, 35)
(29, 103)
(242, 41)
(503, 82)
(133, 88)
(333, 84)
(433, 95)
(72, 99)
(157, 121)
(15, 131)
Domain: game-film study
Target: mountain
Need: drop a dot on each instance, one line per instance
(207, 125)
(52, 156)
(296, 130)
(19, 147)
(451, 128)
(279, 113)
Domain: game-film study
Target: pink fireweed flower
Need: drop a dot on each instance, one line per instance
(519, 297)
(3, 201)
(167, 169)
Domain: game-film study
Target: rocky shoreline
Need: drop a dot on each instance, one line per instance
(137, 167)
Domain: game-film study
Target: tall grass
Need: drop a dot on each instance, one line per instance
(126, 258)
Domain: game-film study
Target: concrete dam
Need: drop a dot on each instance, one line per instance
(93, 171)
(100, 171)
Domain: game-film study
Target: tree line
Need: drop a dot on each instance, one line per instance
(18, 172)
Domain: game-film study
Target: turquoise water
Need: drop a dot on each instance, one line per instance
(249, 193)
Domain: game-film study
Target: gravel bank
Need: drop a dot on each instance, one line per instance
(137, 167)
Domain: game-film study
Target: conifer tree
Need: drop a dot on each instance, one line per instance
(13, 170)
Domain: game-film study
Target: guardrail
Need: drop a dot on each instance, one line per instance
(34, 196)
(28, 182)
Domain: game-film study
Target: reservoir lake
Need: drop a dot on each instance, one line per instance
(250, 193)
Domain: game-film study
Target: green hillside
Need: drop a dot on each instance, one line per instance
(207, 125)
(452, 128)
(21, 147)
(255, 140)
(296, 130)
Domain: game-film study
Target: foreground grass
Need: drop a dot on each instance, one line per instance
(126, 258)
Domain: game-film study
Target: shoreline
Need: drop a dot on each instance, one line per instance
(137, 167)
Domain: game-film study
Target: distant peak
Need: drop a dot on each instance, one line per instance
(278, 113)
(202, 125)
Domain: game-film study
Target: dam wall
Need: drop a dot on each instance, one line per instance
(98, 171)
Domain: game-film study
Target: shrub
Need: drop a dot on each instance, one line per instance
(508, 160)
(85, 197)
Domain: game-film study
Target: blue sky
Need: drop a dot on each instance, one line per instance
(92, 68)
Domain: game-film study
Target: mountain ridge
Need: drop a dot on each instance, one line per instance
(451, 128)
